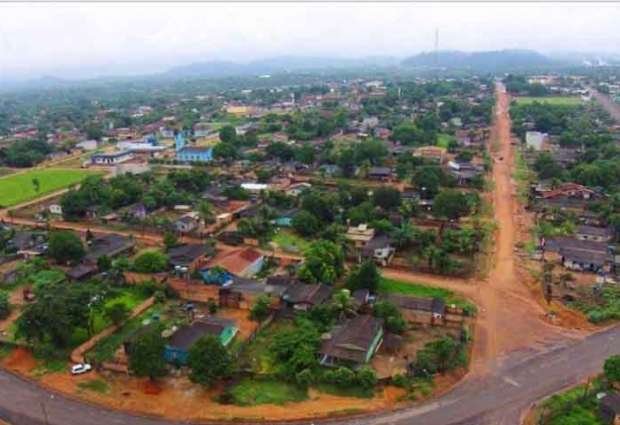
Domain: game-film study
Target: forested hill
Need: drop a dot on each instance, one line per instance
(480, 61)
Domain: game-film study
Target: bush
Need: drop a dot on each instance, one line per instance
(5, 306)
(151, 262)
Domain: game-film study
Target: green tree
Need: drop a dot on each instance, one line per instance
(451, 204)
(366, 276)
(116, 313)
(306, 224)
(208, 361)
(205, 209)
(392, 316)
(151, 262)
(323, 263)
(343, 304)
(5, 306)
(65, 247)
(612, 369)
(36, 184)
(104, 263)
(261, 308)
(386, 197)
(228, 134)
(146, 354)
(170, 240)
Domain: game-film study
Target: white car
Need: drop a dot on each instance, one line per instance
(80, 368)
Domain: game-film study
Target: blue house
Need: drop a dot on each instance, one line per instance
(285, 218)
(186, 153)
(216, 276)
(177, 349)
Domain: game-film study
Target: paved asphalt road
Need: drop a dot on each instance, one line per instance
(499, 399)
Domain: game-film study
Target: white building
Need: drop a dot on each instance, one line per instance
(535, 140)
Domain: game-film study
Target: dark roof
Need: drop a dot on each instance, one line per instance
(185, 254)
(81, 271)
(380, 171)
(352, 339)
(433, 305)
(611, 402)
(580, 256)
(281, 279)
(594, 231)
(564, 243)
(361, 296)
(186, 336)
(307, 294)
(108, 245)
(377, 242)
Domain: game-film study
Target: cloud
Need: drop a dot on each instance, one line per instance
(139, 37)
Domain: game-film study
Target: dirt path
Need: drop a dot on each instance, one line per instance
(510, 317)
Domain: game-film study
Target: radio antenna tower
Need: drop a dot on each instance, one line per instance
(437, 47)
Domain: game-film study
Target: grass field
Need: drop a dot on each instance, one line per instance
(552, 100)
(391, 286)
(289, 241)
(17, 188)
(443, 140)
(251, 392)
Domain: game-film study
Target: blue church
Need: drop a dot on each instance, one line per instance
(186, 153)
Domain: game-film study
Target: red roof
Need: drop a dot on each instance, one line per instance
(236, 261)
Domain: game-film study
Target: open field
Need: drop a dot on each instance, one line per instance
(16, 188)
(552, 100)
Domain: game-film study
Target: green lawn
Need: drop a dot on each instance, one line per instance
(443, 140)
(391, 286)
(552, 100)
(94, 385)
(289, 241)
(17, 188)
(575, 406)
(131, 297)
(251, 392)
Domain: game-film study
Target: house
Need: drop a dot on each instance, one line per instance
(420, 310)
(464, 171)
(535, 140)
(187, 256)
(303, 297)
(137, 211)
(87, 145)
(380, 173)
(378, 249)
(186, 223)
(81, 272)
(297, 189)
(111, 158)
(55, 209)
(582, 260)
(359, 235)
(353, 342)
(242, 293)
(609, 409)
(285, 218)
(567, 196)
(243, 262)
(434, 153)
(180, 342)
(186, 153)
(109, 245)
(597, 234)
(580, 255)
(195, 154)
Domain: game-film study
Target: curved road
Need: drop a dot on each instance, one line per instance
(494, 399)
(517, 357)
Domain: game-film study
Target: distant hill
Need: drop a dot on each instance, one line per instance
(480, 61)
(275, 65)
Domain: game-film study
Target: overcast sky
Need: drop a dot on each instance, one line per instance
(113, 38)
